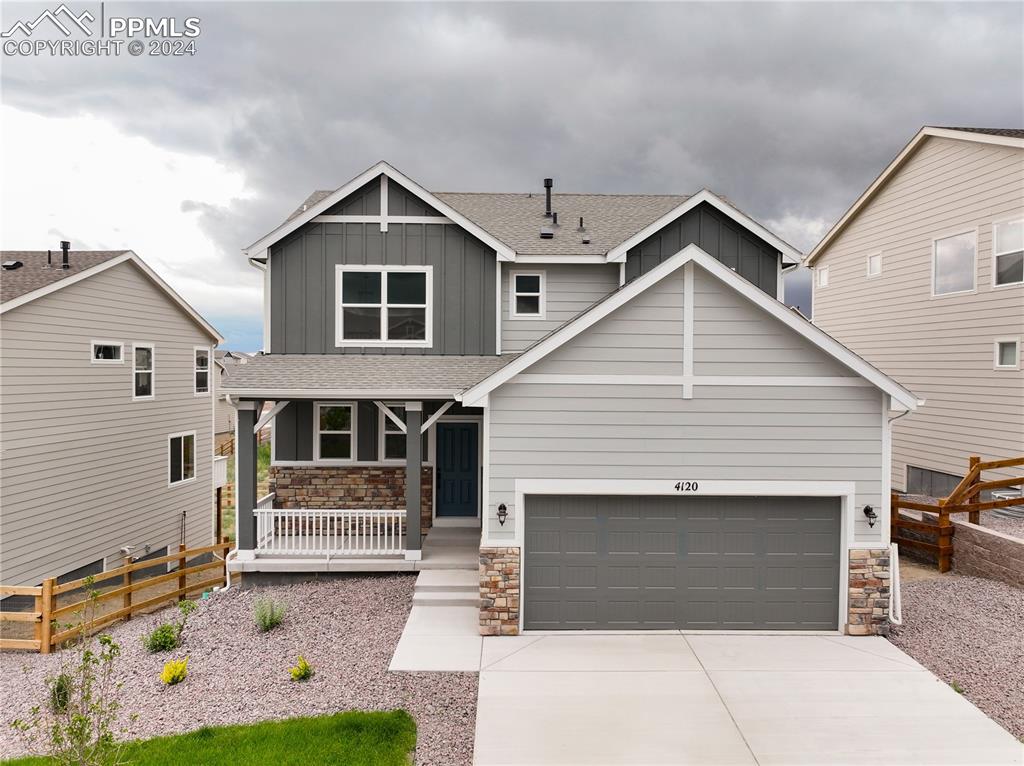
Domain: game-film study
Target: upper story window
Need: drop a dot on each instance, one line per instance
(1008, 249)
(874, 264)
(527, 299)
(181, 457)
(143, 370)
(953, 264)
(107, 352)
(1007, 354)
(821, 275)
(384, 306)
(392, 437)
(335, 431)
(201, 370)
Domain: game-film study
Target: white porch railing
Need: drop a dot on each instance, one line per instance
(220, 471)
(309, 532)
(267, 501)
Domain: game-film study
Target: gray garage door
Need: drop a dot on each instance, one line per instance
(717, 563)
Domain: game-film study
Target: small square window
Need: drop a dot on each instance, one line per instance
(822, 276)
(105, 352)
(527, 296)
(1007, 354)
(874, 264)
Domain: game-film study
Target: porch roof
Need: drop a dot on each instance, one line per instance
(274, 376)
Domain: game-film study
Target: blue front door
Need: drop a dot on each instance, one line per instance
(458, 470)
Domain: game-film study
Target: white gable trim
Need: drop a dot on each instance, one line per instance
(896, 164)
(505, 253)
(99, 268)
(789, 253)
(692, 253)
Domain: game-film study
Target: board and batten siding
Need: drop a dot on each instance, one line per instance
(941, 348)
(84, 468)
(570, 289)
(634, 432)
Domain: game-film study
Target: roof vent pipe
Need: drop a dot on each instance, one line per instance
(548, 183)
(581, 225)
(554, 219)
(65, 246)
(49, 261)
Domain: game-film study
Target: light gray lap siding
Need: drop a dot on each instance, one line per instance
(84, 469)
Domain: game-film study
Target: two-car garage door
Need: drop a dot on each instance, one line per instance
(691, 562)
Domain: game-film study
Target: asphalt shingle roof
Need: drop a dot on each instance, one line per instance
(34, 274)
(377, 373)
(1008, 132)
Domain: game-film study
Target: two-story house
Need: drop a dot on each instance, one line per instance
(605, 386)
(106, 415)
(924, 277)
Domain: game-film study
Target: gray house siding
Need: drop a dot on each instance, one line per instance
(570, 289)
(84, 468)
(302, 276)
(632, 432)
(718, 236)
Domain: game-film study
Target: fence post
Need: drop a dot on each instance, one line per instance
(973, 496)
(224, 557)
(126, 581)
(945, 541)
(181, 568)
(46, 608)
(220, 513)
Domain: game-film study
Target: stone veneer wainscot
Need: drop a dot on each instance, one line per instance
(349, 487)
(869, 593)
(499, 591)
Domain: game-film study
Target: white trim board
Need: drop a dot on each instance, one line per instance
(691, 253)
(789, 253)
(896, 164)
(505, 253)
(99, 268)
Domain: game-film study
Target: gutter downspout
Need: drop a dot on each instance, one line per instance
(895, 597)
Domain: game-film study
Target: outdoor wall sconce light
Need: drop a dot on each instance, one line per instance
(872, 516)
(502, 514)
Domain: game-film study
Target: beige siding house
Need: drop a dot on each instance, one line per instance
(924, 278)
(106, 415)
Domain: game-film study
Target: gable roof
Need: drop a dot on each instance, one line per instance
(691, 253)
(1012, 137)
(33, 280)
(322, 204)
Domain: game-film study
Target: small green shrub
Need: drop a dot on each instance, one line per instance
(268, 613)
(60, 692)
(164, 638)
(174, 671)
(957, 687)
(303, 671)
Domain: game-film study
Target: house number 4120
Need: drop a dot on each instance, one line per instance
(686, 486)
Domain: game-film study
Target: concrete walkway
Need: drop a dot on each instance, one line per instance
(702, 700)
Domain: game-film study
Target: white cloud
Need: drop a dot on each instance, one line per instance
(801, 232)
(82, 179)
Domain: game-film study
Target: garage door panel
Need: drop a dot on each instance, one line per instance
(676, 562)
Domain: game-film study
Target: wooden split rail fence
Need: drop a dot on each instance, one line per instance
(965, 498)
(55, 623)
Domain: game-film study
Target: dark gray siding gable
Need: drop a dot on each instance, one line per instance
(719, 236)
(365, 201)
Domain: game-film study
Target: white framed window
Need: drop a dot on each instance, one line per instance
(106, 352)
(181, 457)
(335, 429)
(201, 370)
(874, 264)
(953, 263)
(526, 295)
(821, 276)
(143, 371)
(1008, 253)
(1007, 353)
(392, 438)
(383, 305)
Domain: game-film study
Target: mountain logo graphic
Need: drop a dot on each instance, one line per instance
(27, 28)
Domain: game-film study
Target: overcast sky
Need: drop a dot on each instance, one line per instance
(789, 109)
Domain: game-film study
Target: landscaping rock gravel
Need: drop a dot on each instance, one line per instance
(968, 631)
(1008, 526)
(346, 628)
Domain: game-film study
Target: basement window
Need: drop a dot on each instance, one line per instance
(383, 306)
(527, 299)
(335, 431)
(1008, 247)
(181, 457)
(107, 352)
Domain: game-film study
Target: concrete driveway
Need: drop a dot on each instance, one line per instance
(702, 700)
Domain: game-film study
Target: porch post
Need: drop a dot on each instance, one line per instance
(245, 477)
(413, 479)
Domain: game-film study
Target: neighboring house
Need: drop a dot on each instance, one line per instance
(924, 277)
(224, 413)
(106, 415)
(646, 437)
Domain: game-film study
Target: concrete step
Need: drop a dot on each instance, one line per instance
(446, 599)
(450, 558)
(449, 537)
(447, 580)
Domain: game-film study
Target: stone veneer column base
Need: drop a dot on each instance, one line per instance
(499, 591)
(868, 605)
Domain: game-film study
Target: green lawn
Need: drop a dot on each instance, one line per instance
(355, 738)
